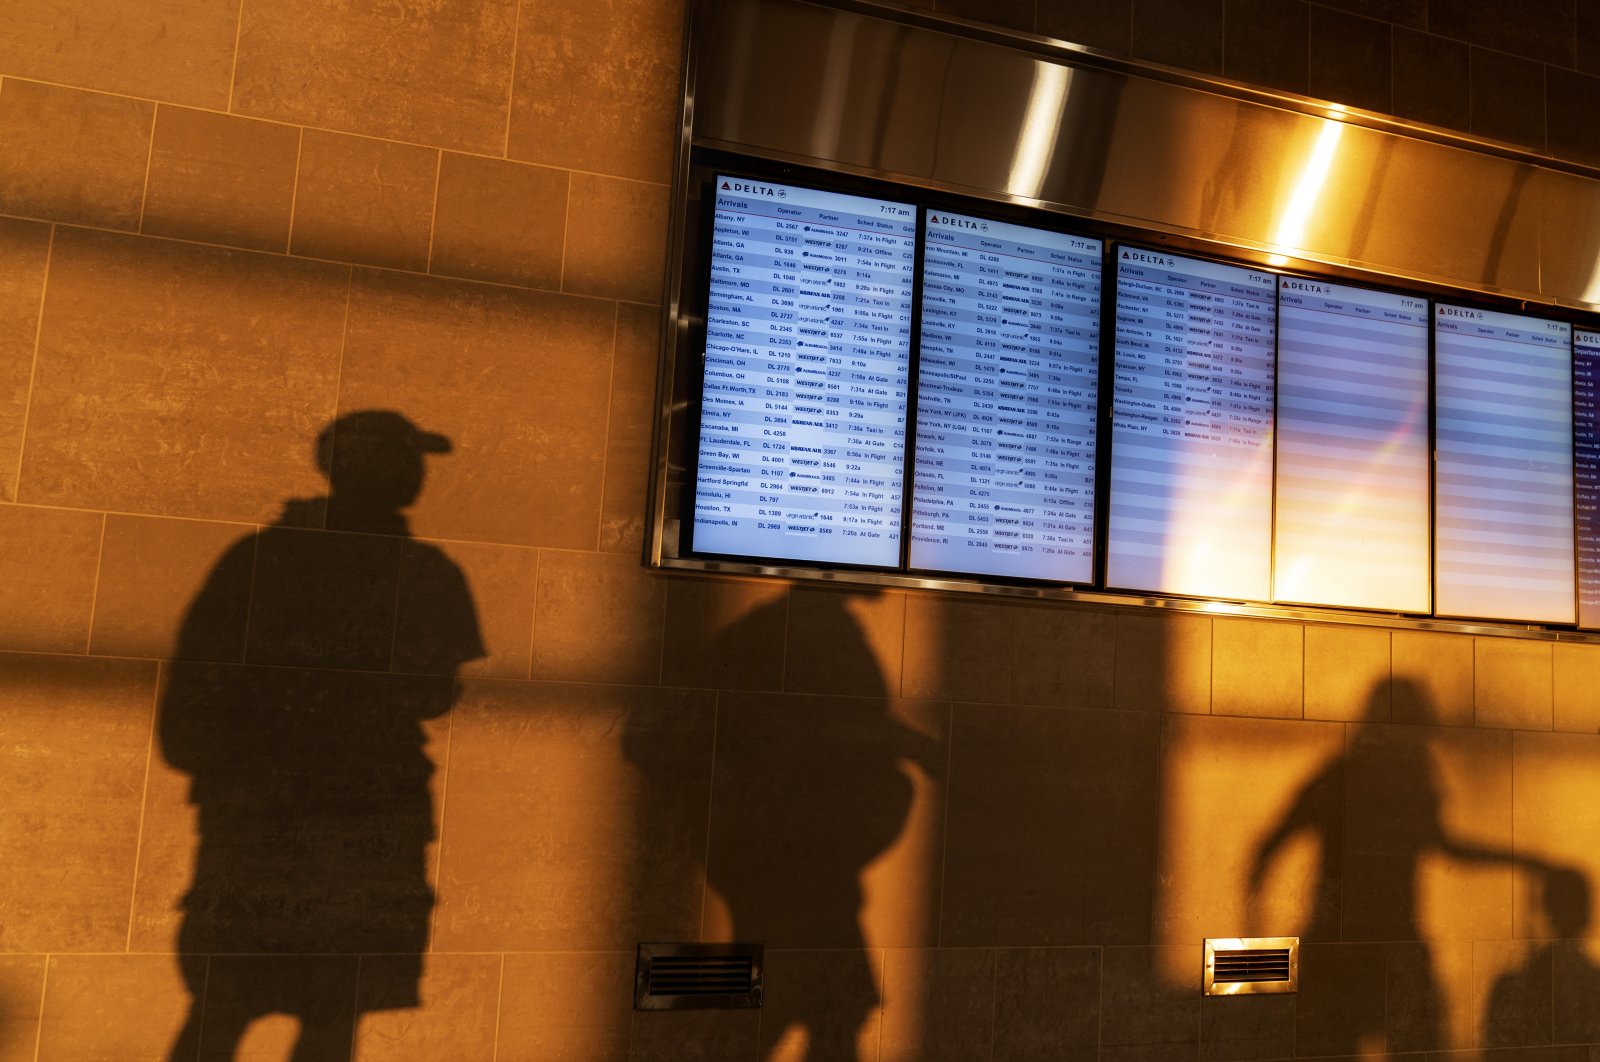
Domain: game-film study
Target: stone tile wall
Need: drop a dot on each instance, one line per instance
(965, 829)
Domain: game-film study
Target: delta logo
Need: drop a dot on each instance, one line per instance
(1141, 256)
(750, 188)
(958, 223)
(1456, 311)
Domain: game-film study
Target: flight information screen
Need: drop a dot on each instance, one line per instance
(1586, 470)
(1006, 401)
(1191, 424)
(1351, 526)
(1503, 539)
(808, 343)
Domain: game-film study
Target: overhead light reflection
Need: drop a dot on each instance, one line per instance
(1292, 226)
(1041, 126)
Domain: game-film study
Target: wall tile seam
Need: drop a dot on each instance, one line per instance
(310, 128)
(294, 202)
(33, 368)
(144, 808)
(12, 654)
(367, 266)
(149, 164)
(511, 78)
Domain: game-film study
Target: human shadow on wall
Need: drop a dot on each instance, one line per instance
(808, 792)
(307, 762)
(1554, 996)
(1375, 811)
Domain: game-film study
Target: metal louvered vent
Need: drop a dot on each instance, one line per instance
(697, 976)
(1251, 965)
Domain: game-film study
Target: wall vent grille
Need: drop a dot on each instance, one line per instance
(1251, 965)
(697, 976)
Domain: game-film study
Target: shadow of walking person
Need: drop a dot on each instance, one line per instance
(1554, 995)
(1375, 812)
(307, 762)
(809, 791)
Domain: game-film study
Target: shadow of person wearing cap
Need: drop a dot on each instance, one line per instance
(306, 750)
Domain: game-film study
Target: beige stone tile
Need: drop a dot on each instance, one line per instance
(240, 989)
(576, 817)
(561, 1006)
(123, 1007)
(597, 86)
(1428, 832)
(1432, 678)
(439, 74)
(73, 741)
(844, 641)
(695, 1035)
(1246, 1027)
(480, 366)
(1340, 1009)
(820, 1004)
(1576, 1017)
(599, 618)
(500, 583)
(1086, 781)
(1576, 692)
(1047, 1003)
(1148, 1000)
(153, 569)
(1163, 662)
(21, 994)
(1063, 656)
(1258, 668)
(1178, 1051)
(24, 249)
(455, 1021)
(500, 221)
(825, 826)
(1512, 684)
(1554, 818)
(1347, 673)
(72, 156)
(180, 380)
(296, 808)
(633, 416)
(957, 649)
(168, 841)
(1427, 994)
(725, 634)
(1513, 988)
(218, 178)
(616, 238)
(938, 1006)
(1265, 866)
(47, 576)
(178, 50)
(363, 200)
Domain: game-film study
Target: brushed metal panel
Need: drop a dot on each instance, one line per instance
(1454, 217)
(868, 93)
(1569, 228)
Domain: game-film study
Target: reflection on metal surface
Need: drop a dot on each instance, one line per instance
(1047, 102)
(891, 93)
(1307, 193)
(1243, 966)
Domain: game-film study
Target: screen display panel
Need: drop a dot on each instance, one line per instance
(808, 342)
(1191, 447)
(1004, 474)
(1503, 538)
(1586, 470)
(1351, 523)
